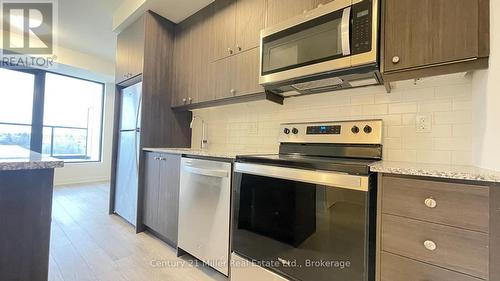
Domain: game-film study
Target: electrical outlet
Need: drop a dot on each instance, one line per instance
(424, 123)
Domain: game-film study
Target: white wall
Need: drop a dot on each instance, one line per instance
(486, 93)
(95, 171)
(254, 127)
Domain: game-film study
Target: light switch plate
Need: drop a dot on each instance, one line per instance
(423, 123)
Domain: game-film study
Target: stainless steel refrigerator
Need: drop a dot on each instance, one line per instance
(127, 167)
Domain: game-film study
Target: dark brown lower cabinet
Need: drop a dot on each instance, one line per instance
(437, 229)
(161, 195)
(25, 216)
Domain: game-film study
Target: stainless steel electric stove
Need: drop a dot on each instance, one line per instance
(308, 213)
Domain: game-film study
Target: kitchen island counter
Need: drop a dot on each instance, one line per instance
(13, 157)
(26, 188)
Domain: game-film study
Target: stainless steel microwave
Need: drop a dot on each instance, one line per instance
(332, 47)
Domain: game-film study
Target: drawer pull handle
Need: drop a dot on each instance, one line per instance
(430, 203)
(430, 245)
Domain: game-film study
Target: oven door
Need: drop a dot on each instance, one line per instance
(305, 225)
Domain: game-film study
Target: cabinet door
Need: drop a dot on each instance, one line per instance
(223, 29)
(130, 51)
(200, 56)
(221, 73)
(182, 73)
(422, 33)
(168, 208)
(192, 59)
(136, 47)
(280, 10)
(151, 186)
(245, 74)
(121, 72)
(250, 20)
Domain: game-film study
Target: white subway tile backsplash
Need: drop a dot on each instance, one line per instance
(434, 157)
(254, 127)
(456, 117)
(374, 109)
(456, 143)
(462, 104)
(461, 157)
(462, 130)
(408, 107)
(360, 99)
(435, 106)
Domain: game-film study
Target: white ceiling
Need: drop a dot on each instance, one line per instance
(90, 26)
(173, 10)
(86, 26)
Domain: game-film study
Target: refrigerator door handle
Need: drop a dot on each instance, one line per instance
(137, 132)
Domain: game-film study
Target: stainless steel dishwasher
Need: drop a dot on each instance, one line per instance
(204, 211)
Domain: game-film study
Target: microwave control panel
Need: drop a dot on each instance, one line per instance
(362, 19)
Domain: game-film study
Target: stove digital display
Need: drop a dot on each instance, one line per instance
(324, 130)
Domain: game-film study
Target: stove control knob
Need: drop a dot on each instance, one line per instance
(368, 129)
(286, 131)
(355, 129)
(295, 131)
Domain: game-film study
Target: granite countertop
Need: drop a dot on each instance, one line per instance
(438, 171)
(194, 152)
(13, 157)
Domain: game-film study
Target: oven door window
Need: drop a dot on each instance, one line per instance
(304, 231)
(312, 42)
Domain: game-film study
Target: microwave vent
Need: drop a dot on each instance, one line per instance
(317, 84)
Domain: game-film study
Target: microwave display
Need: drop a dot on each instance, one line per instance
(363, 13)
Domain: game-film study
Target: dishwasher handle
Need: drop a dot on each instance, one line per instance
(206, 172)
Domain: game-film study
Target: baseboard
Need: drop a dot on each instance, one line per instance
(80, 181)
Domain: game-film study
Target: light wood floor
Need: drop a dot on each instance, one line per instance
(87, 244)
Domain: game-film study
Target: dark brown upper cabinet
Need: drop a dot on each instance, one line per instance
(235, 26)
(281, 10)
(204, 70)
(432, 37)
(236, 76)
(191, 60)
(223, 30)
(130, 52)
(250, 20)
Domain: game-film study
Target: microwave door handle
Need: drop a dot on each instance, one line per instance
(346, 23)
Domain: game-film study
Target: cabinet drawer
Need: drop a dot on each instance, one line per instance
(456, 249)
(397, 268)
(460, 205)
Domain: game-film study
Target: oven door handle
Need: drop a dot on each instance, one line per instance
(329, 179)
(345, 26)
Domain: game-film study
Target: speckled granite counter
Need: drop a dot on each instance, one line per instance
(194, 152)
(13, 157)
(438, 171)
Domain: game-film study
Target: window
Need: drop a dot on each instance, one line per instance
(16, 107)
(72, 118)
(57, 115)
